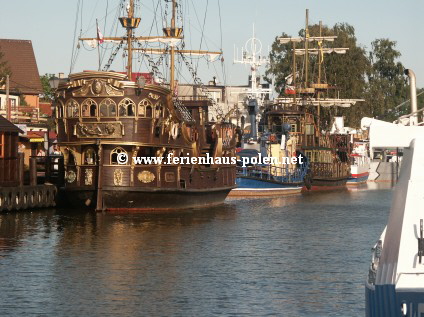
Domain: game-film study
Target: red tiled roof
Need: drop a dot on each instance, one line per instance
(20, 58)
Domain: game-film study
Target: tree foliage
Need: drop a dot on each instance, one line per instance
(4, 69)
(48, 94)
(376, 76)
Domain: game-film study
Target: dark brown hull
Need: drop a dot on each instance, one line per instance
(327, 183)
(140, 200)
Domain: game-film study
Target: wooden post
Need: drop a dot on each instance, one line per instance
(99, 202)
(47, 168)
(21, 166)
(61, 172)
(33, 171)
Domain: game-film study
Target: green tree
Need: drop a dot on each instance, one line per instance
(387, 83)
(48, 94)
(4, 69)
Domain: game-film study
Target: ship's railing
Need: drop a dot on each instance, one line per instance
(330, 169)
(274, 173)
(193, 98)
(279, 106)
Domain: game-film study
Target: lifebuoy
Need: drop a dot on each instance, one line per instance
(174, 131)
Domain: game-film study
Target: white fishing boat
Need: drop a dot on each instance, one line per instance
(395, 283)
(360, 163)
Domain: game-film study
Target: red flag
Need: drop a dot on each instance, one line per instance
(99, 36)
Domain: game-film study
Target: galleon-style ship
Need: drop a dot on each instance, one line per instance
(298, 118)
(104, 117)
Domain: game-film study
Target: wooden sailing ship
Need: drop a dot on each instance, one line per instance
(104, 117)
(299, 117)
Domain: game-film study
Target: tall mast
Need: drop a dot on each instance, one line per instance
(306, 48)
(130, 23)
(320, 53)
(172, 70)
(129, 40)
(294, 70)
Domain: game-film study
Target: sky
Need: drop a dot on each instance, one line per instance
(50, 24)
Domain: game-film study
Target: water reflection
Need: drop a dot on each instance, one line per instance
(303, 255)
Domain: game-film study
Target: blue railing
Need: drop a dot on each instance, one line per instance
(275, 173)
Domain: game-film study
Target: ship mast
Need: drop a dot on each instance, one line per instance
(129, 40)
(172, 70)
(130, 23)
(306, 48)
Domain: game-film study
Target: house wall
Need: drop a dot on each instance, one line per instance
(14, 100)
(32, 100)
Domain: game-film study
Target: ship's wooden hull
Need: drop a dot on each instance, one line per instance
(145, 199)
(328, 183)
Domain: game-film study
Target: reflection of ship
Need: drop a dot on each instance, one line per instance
(395, 283)
(328, 153)
(264, 178)
(104, 116)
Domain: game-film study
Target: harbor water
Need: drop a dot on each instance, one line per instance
(305, 255)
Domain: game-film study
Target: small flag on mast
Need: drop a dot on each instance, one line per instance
(99, 36)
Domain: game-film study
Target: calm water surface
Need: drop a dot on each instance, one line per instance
(301, 256)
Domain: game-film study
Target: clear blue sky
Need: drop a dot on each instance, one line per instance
(50, 26)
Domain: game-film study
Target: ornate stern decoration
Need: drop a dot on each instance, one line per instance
(118, 177)
(88, 177)
(97, 88)
(146, 177)
(99, 130)
(70, 176)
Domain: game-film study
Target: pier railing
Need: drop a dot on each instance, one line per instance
(274, 173)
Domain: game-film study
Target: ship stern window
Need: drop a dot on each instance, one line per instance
(126, 108)
(145, 108)
(89, 108)
(117, 152)
(72, 109)
(107, 108)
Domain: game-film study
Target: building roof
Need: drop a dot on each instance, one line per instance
(7, 126)
(20, 58)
